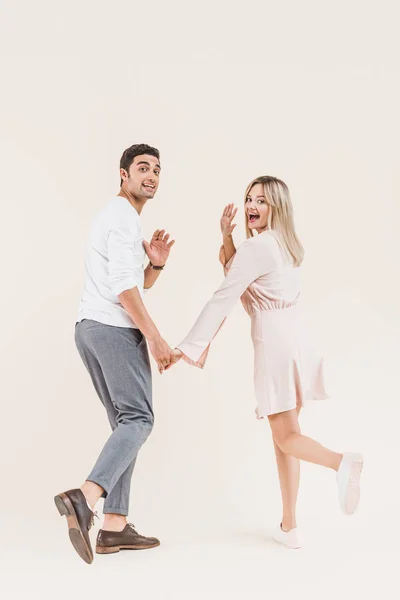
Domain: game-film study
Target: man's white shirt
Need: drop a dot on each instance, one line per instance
(114, 263)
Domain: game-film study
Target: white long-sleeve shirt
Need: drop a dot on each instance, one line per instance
(114, 263)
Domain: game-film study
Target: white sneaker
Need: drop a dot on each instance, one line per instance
(348, 480)
(290, 539)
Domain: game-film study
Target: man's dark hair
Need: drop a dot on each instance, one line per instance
(130, 153)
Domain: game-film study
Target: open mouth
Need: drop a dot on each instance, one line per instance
(253, 218)
(148, 186)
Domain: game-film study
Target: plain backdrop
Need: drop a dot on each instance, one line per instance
(305, 91)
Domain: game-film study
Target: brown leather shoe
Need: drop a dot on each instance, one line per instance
(109, 542)
(72, 504)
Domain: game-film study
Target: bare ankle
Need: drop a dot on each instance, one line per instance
(114, 522)
(92, 493)
(336, 462)
(288, 524)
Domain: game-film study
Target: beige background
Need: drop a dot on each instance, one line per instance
(307, 91)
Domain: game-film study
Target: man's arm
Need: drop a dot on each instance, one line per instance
(158, 252)
(120, 243)
(132, 302)
(150, 276)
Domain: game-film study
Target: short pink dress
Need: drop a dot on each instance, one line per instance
(288, 368)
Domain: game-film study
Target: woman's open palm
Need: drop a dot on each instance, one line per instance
(228, 215)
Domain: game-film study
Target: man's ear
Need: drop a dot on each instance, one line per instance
(123, 173)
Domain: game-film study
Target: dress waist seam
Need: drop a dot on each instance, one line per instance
(255, 312)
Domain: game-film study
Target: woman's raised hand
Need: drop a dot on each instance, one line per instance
(226, 220)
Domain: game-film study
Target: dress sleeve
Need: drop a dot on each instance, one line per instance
(250, 262)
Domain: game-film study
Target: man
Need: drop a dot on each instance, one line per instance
(112, 328)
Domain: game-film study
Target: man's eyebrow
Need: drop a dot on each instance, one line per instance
(144, 162)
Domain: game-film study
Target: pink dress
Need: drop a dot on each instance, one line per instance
(287, 366)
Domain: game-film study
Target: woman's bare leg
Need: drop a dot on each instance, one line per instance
(287, 436)
(289, 478)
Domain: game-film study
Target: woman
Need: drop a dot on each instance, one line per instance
(264, 273)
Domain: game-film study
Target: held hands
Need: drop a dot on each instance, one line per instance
(163, 354)
(176, 356)
(228, 215)
(159, 248)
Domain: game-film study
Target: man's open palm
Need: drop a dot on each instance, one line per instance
(159, 247)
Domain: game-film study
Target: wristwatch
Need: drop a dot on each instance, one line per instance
(155, 267)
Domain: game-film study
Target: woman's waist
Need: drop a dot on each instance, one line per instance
(257, 309)
(287, 321)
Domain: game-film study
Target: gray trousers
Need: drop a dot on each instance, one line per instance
(117, 360)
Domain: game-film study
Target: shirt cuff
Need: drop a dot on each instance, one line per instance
(122, 286)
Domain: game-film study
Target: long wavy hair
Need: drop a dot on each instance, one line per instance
(280, 217)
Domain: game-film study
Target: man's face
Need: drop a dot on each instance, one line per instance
(144, 176)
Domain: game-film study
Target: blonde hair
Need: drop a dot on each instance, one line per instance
(280, 217)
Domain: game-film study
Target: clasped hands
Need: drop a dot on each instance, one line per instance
(163, 354)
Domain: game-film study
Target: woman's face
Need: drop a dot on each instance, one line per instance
(256, 208)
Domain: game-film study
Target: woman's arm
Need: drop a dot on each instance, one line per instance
(228, 247)
(250, 262)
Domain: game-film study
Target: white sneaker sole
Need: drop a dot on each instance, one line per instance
(351, 498)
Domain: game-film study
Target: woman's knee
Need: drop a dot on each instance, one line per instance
(282, 437)
(283, 427)
(281, 441)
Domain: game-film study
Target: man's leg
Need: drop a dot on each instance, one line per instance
(128, 381)
(117, 358)
(118, 362)
(116, 503)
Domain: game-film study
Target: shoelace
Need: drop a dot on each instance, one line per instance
(92, 519)
(131, 525)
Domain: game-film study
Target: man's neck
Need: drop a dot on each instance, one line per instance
(133, 201)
